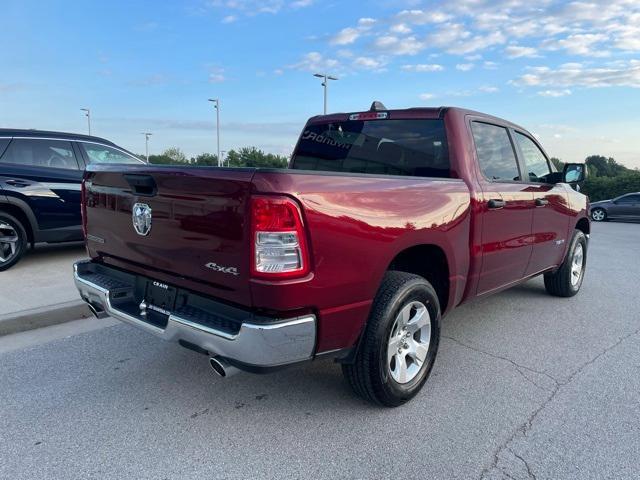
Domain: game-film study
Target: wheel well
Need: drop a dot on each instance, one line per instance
(583, 226)
(430, 262)
(20, 215)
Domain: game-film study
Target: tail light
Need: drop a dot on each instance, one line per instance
(280, 246)
(83, 208)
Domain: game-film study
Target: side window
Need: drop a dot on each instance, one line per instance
(3, 145)
(495, 152)
(534, 160)
(630, 199)
(103, 154)
(41, 153)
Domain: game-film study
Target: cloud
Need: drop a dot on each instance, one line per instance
(421, 17)
(216, 75)
(349, 35)
(517, 51)
(584, 44)
(369, 63)
(423, 67)
(400, 28)
(230, 19)
(315, 62)
(346, 36)
(465, 67)
(488, 89)
(555, 93)
(619, 74)
(426, 96)
(399, 46)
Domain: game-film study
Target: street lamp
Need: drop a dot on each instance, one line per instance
(325, 83)
(87, 113)
(223, 152)
(146, 143)
(216, 105)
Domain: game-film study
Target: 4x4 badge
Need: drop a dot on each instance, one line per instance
(141, 216)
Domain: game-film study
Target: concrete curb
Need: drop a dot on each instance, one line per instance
(43, 317)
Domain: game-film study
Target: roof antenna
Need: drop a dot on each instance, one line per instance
(376, 106)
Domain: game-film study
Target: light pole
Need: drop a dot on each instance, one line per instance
(325, 83)
(223, 152)
(216, 105)
(87, 113)
(146, 144)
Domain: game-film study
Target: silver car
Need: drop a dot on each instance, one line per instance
(624, 207)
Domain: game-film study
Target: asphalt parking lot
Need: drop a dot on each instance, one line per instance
(525, 386)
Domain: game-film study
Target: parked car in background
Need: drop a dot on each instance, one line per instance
(384, 221)
(623, 207)
(40, 177)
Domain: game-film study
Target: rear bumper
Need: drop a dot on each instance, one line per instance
(221, 330)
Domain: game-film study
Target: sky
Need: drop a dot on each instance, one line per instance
(567, 71)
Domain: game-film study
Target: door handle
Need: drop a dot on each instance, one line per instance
(541, 202)
(496, 203)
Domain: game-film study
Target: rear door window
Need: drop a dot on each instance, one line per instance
(97, 153)
(495, 152)
(383, 147)
(41, 153)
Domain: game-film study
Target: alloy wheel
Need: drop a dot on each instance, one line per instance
(409, 342)
(598, 215)
(577, 265)
(8, 242)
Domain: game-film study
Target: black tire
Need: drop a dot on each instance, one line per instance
(20, 246)
(370, 374)
(559, 283)
(596, 218)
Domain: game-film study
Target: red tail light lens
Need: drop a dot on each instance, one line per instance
(279, 242)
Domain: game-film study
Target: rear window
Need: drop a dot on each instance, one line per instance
(384, 147)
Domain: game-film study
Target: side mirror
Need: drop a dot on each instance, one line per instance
(574, 173)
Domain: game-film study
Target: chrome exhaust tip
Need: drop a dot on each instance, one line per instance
(97, 311)
(222, 367)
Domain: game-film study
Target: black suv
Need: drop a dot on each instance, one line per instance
(40, 177)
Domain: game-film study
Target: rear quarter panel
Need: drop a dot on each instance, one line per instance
(356, 226)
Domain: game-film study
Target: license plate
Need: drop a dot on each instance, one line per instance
(160, 297)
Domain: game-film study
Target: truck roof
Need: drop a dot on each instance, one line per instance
(416, 112)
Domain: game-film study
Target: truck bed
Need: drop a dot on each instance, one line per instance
(356, 224)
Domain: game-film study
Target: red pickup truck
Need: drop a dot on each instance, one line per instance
(384, 221)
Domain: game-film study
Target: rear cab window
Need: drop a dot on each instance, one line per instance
(416, 147)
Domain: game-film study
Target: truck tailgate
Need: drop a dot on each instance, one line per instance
(198, 234)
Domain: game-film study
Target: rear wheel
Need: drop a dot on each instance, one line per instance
(567, 280)
(598, 215)
(400, 341)
(13, 241)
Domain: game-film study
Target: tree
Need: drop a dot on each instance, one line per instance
(601, 166)
(559, 164)
(171, 156)
(604, 187)
(253, 157)
(205, 159)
